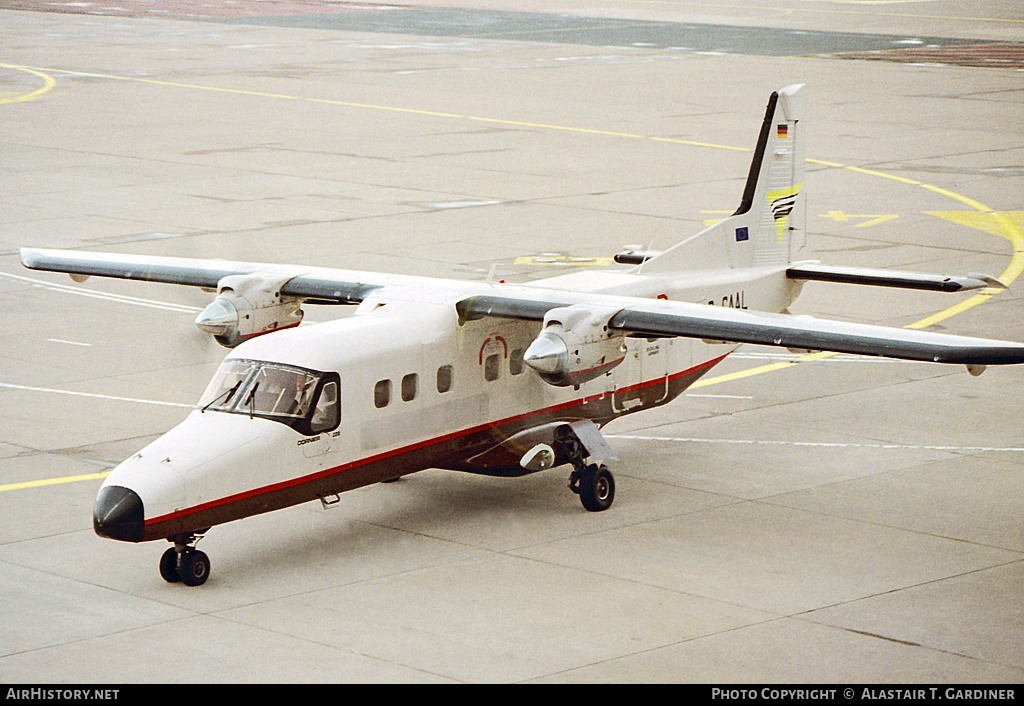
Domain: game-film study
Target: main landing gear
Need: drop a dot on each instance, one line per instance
(595, 485)
(593, 482)
(184, 563)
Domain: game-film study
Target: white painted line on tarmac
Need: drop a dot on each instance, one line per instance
(70, 343)
(94, 294)
(816, 444)
(28, 388)
(722, 397)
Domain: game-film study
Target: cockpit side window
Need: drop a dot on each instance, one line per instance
(327, 410)
(306, 400)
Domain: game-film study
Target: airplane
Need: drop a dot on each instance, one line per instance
(490, 378)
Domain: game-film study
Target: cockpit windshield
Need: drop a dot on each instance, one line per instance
(306, 400)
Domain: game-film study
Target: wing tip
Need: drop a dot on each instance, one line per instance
(29, 257)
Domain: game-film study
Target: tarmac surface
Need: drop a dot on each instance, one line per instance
(791, 519)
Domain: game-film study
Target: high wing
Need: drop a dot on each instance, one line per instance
(697, 321)
(631, 315)
(661, 318)
(302, 282)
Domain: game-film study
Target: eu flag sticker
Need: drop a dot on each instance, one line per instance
(742, 234)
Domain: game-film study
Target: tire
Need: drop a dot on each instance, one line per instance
(597, 488)
(195, 567)
(169, 566)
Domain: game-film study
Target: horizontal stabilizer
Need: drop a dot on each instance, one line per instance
(635, 256)
(816, 272)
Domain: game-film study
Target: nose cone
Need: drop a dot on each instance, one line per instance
(547, 354)
(118, 514)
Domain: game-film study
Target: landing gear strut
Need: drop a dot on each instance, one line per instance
(184, 563)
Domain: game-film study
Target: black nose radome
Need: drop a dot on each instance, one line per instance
(118, 514)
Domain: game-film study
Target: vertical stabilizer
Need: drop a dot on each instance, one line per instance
(769, 226)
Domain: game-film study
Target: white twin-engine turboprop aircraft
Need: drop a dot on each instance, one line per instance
(497, 379)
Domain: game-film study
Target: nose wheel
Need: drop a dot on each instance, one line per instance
(183, 563)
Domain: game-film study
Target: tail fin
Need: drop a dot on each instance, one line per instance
(769, 226)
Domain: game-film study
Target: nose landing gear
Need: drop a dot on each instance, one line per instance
(184, 563)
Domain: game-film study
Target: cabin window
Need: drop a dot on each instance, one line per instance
(382, 394)
(515, 361)
(492, 367)
(409, 384)
(445, 376)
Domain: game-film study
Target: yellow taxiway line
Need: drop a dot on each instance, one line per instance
(53, 481)
(48, 84)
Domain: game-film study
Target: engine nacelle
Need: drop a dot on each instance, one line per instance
(248, 306)
(575, 345)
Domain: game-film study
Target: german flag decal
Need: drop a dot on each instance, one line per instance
(782, 131)
(782, 203)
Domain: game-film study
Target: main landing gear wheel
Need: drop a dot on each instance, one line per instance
(595, 486)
